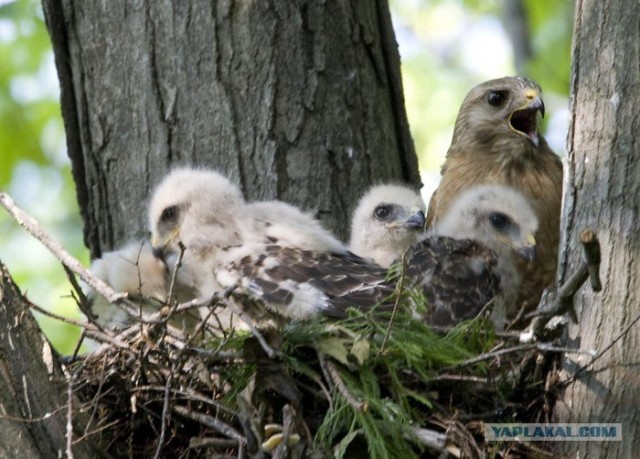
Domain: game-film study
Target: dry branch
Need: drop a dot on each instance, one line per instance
(563, 299)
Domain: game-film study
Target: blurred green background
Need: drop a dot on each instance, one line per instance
(447, 47)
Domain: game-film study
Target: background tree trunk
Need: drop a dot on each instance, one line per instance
(300, 101)
(33, 390)
(602, 192)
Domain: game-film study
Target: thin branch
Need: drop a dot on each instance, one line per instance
(164, 416)
(210, 421)
(90, 330)
(83, 301)
(522, 347)
(333, 373)
(563, 301)
(452, 377)
(174, 277)
(254, 331)
(621, 335)
(187, 396)
(396, 305)
(32, 226)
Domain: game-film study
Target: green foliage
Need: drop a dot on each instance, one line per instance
(551, 26)
(28, 95)
(389, 381)
(34, 167)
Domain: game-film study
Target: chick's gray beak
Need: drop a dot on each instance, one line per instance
(158, 252)
(528, 252)
(415, 221)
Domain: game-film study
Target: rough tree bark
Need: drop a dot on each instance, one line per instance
(33, 390)
(602, 192)
(297, 100)
(300, 101)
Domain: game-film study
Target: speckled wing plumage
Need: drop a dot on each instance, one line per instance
(299, 284)
(500, 145)
(456, 276)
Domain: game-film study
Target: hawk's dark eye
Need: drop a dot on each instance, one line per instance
(499, 220)
(169, 214)
(382, 212)
(497, 98)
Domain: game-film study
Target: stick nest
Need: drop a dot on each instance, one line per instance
(370, 385)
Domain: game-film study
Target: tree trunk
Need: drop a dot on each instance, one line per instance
(295, 100)
(602, 192)
(33, 390)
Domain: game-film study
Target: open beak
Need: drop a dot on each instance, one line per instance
(525, 120)
(528, 251)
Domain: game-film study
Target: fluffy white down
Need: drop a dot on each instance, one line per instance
(218, 228)
(468, 218)
(371, 238)
(283, 224)
(132, 269)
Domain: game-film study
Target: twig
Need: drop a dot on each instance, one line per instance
(97, 395)
(505, 334)
(400, 289)
(53, 315)
(254, 331)
(174, 277)
(522, 347)
(342, 388)
(211, 422)
(563, 299)
(452, 377)
(76, 349)
(32, 226)
(187, 396)
(165, 414)
(90, 330)
(621, 335)
(83, 301)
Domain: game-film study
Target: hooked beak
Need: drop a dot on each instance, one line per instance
(158, 251)
(528, 251)
(416, 220)
(525, 120)
(160, 248)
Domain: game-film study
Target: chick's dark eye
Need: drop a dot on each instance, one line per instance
(169, 214)
(497, 98)
(499, 220)
(382, 212)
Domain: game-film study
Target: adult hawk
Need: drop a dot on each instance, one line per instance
(496, 141)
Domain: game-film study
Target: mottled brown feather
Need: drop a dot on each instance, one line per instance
(456, 276)
(485, 150)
